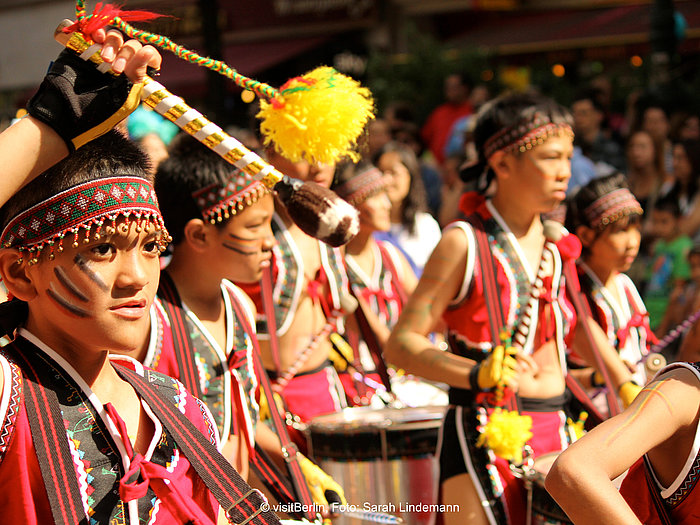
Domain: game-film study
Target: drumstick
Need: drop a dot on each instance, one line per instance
(318, 211)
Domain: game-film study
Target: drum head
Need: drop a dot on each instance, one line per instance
(364, 433)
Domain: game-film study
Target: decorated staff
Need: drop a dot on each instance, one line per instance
(316, 117)
(317, 211)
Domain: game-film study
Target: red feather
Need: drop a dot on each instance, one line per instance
(104, 14)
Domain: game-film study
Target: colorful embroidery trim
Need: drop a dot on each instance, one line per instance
(362, 186)
(218, 202)
(82, 208)
(612, 207)
(525, 135)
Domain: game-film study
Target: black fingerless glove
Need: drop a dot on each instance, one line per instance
(79, 102)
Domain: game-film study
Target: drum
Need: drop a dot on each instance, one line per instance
(383, 458)
(545, 510)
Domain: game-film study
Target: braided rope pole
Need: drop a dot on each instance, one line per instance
(318, 116)
(317, 211)
(163, 42)
(676, 332)
(177, 111)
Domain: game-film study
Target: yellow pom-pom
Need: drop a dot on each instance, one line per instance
(318, 117)
(506, 434)
(578, 426)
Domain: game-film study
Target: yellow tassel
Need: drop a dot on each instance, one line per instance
(506, 434)
(577, 426)
(317, 117)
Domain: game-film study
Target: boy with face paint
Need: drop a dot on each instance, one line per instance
(85, 436)
(219, 218)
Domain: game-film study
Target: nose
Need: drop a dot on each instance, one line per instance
(134, 269)
(269, 242)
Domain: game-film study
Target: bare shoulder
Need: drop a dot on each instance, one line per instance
(675, 393)
(449, 256)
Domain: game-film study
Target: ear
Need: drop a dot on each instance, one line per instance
(500, 162)
(586, 234)
(16, 275)
(197, 234)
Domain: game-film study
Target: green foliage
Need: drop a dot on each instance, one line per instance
(417, 76)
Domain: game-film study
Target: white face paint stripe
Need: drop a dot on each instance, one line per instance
(84, 265)
(65, 303)
(62, 277)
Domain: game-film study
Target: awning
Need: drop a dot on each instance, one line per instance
(508, 33)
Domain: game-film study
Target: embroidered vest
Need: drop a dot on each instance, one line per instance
(382, 290)
(466, 316)
(220, 389)
(98, 456)
(289, 278)
(626, 325)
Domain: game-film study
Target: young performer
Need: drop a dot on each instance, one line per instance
(380, 276)
(661, 428)
(310, 296)
(499, 280)
(606, 217)
(219, 218)
(86, 437)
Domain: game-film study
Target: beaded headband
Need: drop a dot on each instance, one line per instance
(612, 207)
(525, 135)
(84, 207)
(218, 202)
(361, 187)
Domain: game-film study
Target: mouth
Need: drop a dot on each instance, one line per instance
(265, 263)
(132, 310)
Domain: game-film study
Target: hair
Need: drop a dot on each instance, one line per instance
(588, 194)
(464, 77)
(189, 167)
(668, 203)
(505, 112)
(416, 200)
(692, 151)
(111, 155)
(658, 151)
(591, 94)
(694, 250)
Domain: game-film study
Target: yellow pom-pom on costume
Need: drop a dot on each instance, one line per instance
(506, 434)
(317, 117)
(578, 427)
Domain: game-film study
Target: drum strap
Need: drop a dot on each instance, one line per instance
(655, 495)
(389, 263)
(289, 448)
(172, 304)
(491, 292)
(269, 310)
(373, 345)
(583, 313)
(49, 438)
(263, 465)
(242, 503)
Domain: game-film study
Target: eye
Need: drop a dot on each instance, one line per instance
(102, 250)
(151, 247)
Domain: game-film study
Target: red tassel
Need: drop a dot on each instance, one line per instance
(471, 202)
(104, 14)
